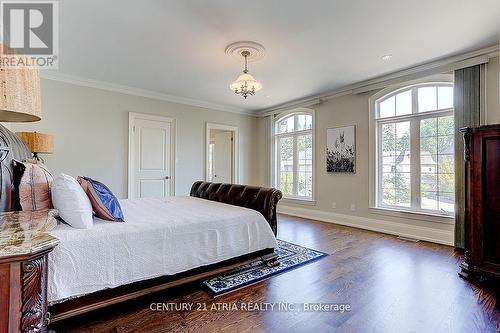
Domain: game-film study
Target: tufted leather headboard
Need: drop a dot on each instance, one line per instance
(11, 147)
(261, 199)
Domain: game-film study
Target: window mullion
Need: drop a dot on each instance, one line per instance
(278, 163)
(295, 166)
(415, 152)
(415, 163)
(378, 183)
(303, 132)
(421, 115)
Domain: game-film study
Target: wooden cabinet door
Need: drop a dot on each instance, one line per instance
(490, 207)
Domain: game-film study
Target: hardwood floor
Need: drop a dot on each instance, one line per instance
(392, 285)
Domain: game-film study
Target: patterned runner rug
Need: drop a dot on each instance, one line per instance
(290, 256)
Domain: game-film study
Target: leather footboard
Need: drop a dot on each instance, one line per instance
(261, 199)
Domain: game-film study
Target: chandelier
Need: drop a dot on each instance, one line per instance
(245, 85)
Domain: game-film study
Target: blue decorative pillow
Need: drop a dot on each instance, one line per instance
(104, 203)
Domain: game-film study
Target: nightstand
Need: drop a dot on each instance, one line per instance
(25, 243)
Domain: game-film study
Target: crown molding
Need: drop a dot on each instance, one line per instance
(429, 68)
(122, 89)
(449, 63)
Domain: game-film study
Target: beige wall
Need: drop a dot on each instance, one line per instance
(91, 138)
(493, 92)
(343, 189)
(348, 189)
(91, 134)
(263, 140)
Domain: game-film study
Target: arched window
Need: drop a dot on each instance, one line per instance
(415, 149)
(293, 138)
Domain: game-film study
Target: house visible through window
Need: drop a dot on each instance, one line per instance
(294, 155)
(415, 149)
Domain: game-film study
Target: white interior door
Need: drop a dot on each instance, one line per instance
(222, 157)
(151, 158)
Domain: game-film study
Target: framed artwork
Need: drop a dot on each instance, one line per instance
(341, 149)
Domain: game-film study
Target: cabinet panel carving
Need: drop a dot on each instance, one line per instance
(34, 295)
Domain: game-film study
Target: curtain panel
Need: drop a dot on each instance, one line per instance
(468, 87)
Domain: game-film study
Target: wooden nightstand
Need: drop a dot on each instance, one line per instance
(24, 246)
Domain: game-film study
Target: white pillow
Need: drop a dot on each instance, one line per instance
(71, 201)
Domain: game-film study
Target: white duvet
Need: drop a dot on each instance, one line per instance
(159, 237)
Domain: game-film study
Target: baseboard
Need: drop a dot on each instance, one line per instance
(388, 227)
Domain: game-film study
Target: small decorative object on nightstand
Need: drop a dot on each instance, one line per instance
(37, 143)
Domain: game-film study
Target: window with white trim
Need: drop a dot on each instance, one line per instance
(415, 149)
(293, 138)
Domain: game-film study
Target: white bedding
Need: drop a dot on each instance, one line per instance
(159, 237)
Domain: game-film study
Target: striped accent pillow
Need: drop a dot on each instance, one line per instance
(104, 203)
(33, 186)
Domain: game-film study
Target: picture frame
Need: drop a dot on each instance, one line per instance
(341, 149)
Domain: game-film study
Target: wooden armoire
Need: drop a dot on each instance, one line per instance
(482, 202)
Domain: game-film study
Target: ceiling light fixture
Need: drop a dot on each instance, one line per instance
(246, 85)
(387, 57)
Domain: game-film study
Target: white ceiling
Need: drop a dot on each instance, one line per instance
(176, 47)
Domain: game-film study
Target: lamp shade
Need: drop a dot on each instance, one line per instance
(19, 90)
(38, 142)
(247, 81)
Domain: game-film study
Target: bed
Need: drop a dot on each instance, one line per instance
(160, 237)
(163, 243)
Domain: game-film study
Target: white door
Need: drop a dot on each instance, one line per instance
(222, 157)
(151, 158)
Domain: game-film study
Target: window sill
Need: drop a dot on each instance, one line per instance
(423, 216)
(299, 201)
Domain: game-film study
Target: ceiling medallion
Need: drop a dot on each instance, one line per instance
(246, 85)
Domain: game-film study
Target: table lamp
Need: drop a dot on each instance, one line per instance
(19, 91)
(37, 143)
(19, 102)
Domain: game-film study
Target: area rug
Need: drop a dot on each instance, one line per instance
(290, 256)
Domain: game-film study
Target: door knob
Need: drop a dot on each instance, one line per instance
(167, 177)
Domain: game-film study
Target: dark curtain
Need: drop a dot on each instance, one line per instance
(467, 114)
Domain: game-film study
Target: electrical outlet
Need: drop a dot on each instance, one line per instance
(334, 205)
(353, 207)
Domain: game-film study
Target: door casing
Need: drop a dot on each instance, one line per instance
(132, 117)
(236, 144)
